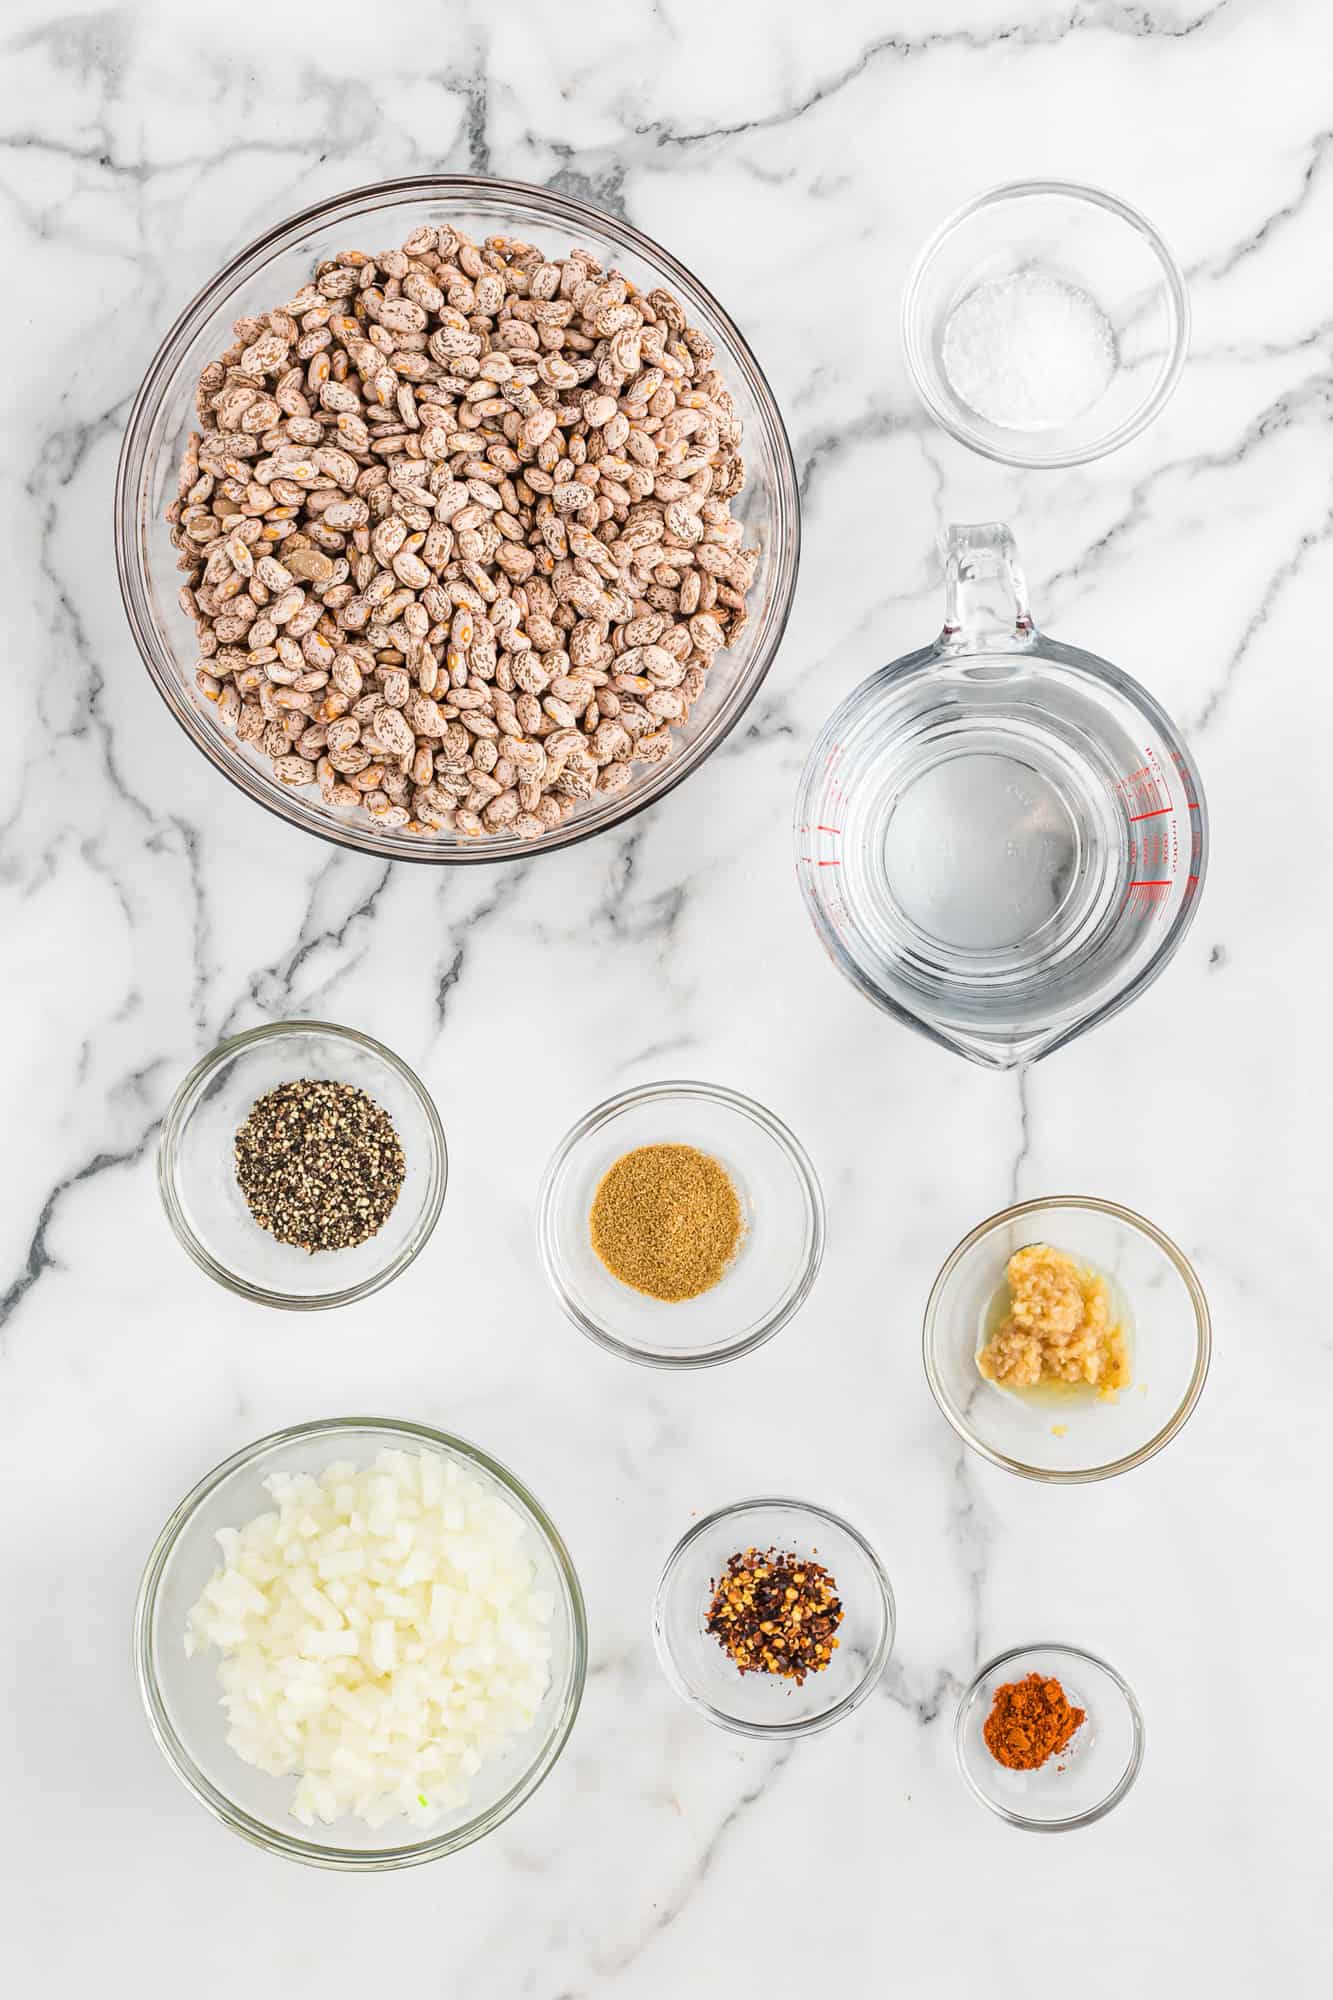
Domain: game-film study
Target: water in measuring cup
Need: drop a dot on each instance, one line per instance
(981, 852)
(998, 836)
(990, 851)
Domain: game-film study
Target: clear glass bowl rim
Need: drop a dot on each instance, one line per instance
(317, 1854)
(648, 1093)
(566, 211)
(1058, 1649)
(173, 1126)
(775, 1731)
(1152, 405)
(1082, 1476)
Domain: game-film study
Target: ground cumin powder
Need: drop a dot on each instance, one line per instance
(666, 1220)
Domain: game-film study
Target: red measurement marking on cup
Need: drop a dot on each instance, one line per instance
(1154, 835)
(1145, 792)
(818, 861)
(1187, 782)
(1148, 897)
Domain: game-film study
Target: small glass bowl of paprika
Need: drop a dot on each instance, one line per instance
(835, 1557)
(1096, 1761)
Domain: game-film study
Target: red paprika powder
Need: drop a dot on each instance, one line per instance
(1030, 1720)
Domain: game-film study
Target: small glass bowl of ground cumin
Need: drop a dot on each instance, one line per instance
(680, 1224)
(302, 1134)
(1025, 1705)
(759, 1677)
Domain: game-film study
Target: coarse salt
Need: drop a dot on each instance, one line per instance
(1028, 352)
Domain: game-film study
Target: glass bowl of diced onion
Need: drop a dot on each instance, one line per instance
(422, 1477)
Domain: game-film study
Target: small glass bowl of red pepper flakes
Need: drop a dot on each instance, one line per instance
(1097, 1762)
(728, 1579)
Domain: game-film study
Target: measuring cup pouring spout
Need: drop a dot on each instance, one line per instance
(1001, 839)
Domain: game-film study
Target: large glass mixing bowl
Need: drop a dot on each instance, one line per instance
(181, 1694)
(272, 270)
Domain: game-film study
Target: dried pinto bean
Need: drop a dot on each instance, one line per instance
(501, 490)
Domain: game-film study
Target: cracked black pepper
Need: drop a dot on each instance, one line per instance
(776, 1613)
(320, 1164)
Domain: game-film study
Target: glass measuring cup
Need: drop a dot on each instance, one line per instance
(1000, 838)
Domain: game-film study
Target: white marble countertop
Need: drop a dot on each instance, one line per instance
(149, 908)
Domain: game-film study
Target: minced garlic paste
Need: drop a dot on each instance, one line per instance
(1057, 1329)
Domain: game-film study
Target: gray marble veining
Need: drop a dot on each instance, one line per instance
(794, 157)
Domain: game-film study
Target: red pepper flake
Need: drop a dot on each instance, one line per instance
(775, 1613)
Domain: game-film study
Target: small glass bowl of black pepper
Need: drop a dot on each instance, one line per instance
(340, 1147)
(837, 1566)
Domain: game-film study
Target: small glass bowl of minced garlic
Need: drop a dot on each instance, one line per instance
(1067, 1339)
(680, 1224)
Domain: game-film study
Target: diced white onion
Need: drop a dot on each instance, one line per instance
(381, 1636)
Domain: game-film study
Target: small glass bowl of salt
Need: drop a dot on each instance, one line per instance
(1045, 324)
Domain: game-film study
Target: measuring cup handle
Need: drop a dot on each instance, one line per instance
(985, 592)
